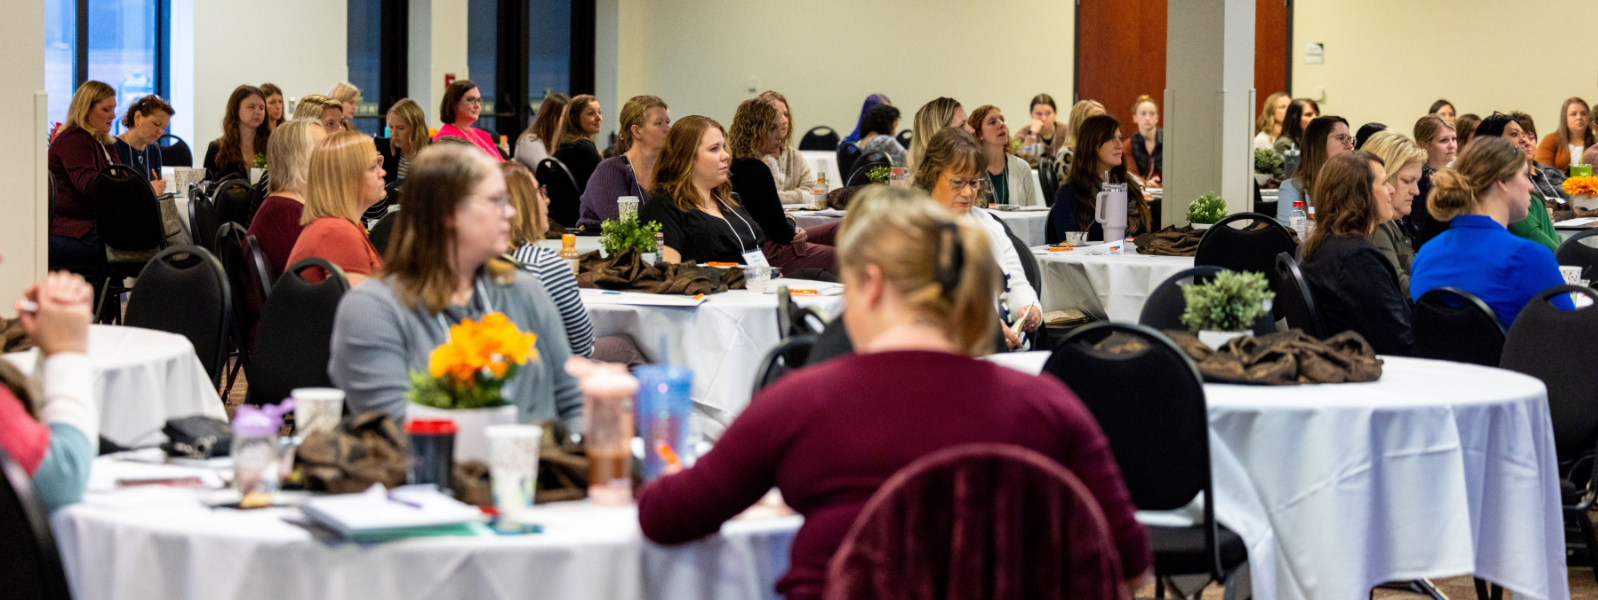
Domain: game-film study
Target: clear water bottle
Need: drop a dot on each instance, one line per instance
(1297, 218)
(257, 465)
(1309, 224)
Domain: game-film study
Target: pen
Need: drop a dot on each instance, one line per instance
(391, 498)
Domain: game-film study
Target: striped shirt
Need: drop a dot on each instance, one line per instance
(562, 287)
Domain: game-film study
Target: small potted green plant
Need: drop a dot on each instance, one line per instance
(880, 174)
(1207, 210)
(1227, 306)
(627, 233)
(1267, 164)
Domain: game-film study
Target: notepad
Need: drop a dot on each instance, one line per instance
(407, 511)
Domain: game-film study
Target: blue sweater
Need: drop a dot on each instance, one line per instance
(1480, 256)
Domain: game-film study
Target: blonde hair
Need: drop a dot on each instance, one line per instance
(1429, 128)
(411, 112)
(931, 119)
(951, 149)
(312, 106)
(531, 221)
(912, 240)
(342, 92)
(634, 112)
(1267, 119)
(1486, 160)
(288, 155)
(89, 94)
(1396, 151)
(775, 96)
(1079, 114)
(337, 170)
(1144, 99)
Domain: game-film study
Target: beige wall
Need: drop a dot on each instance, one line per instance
(1388, 61)
(826, 56)
(22, 156)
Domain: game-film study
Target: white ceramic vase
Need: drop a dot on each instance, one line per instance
(1584, 202)
(470, 441)
(1216, 339)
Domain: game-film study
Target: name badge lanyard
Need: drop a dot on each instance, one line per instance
(745, 253)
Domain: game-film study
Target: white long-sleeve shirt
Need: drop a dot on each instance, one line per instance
(1018, 291)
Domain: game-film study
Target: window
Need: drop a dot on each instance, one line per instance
(549, 38)
(378, 60)
(521, 50)
(119, 42)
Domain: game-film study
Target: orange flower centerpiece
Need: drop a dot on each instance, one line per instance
(1583, 192)
(470, 370)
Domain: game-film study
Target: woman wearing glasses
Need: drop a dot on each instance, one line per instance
(461, 107)
(1324, 138)
(952, 170)
(1100, 150)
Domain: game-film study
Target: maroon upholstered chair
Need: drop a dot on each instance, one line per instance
(974, 522)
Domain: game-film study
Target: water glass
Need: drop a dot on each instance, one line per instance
(757, 279)
(665, 412)
(513, 467)
(1075, 238)
(317, 409)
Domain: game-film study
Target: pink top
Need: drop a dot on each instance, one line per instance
(477, 137)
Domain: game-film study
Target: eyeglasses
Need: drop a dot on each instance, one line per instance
(500, 201)
(1344, 138)
(477, 100)
(960, 184)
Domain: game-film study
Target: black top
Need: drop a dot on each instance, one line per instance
(1062, 217)
(391, 156)
(143, 161)
(581, 158)
(1149, 165)
(757, 191)
(1355, 288)
(700, 237)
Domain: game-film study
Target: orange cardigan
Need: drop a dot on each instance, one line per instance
(1554, 154)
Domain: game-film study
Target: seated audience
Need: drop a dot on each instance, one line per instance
(345, 178)
(1572, 137)
(1466, 126)
(407, 137)
(1273, 112)
(1045, 131)
(448, 269)
(348, 98)
(527, 227)
(274, 105)
(577, 150)
(701, 220)
(244, 136)
(543, 135)
(1009, 178)
(1482, 194)
(138, 145)
(952, 172)
(1548, 180)
(461, 106)
(1535, 225)
(322, 109)
(795, 183)
(52, 430)
(1299, 114)
(876, 134)
(277, 223)
(1099, 149)
(1441, 144)
(1402, 161)
(1326, 137)
(81, 149)
(645, 120)
(1080, 113)
(1445, 111)
(935, 115)
(916, 321)
(1148, 144)
(871, 102)
(1354, 286)
(754, 130)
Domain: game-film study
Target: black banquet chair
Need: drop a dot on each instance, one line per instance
(1150, 405)
(381, 231)
(202, 218)
(564, 199)
(128, 219)
(820, 137)
(175, 152)
(1556, 346)
(293, 346)
(1251, 248)
(1293, 299)
(231, 251)
(904, 138)
(184, 290)
(1164, 308)
(31, 567)
(233, 198)
(788, 355)
(847, 155)
(1574, 253)
(860, 170)
(1454, 325)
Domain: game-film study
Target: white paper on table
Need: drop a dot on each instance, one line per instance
(377, 508)
(1093, 249)
(1576, 222)
(1032, 209)
(592, 296)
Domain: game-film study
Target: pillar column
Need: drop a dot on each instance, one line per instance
(1209, 105)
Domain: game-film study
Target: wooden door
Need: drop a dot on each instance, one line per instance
(1270, 49)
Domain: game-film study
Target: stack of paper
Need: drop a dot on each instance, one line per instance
(379, 514)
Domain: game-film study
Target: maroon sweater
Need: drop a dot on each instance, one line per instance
(76, 158)
(277, 226)
(829, 436)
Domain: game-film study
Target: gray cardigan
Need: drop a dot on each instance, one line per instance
(377, 342)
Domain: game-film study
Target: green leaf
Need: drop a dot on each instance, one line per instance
(1231, 301)
(1267, 161)
(1208, 208)
(617, 235)
(880, 174)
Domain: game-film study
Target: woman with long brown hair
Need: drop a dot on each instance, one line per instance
(577, 149)
(244, 136)
(1355, 287)
(543, 135)
(755, 129)
(445, 265)
(701, 220)
(1574, 135)
(345, 178)
(1325, 138)
(645, 120)
(1100, 149)
(1295, 122)
(274, 105)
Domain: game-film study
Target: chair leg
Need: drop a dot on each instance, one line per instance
(1233, 583)
(1159, 587)
(1487, 590)
(1584, 523)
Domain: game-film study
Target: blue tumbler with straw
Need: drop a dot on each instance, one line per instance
(665, 412)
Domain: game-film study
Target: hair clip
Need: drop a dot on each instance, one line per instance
(951, 256)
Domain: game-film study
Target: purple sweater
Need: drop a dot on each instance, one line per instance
(612, 179)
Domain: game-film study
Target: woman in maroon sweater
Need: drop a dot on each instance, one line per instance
(82, 149)
(277, 224)
(829, 436)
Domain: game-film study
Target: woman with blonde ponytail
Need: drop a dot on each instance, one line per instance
(918, 305)
(1485, 191)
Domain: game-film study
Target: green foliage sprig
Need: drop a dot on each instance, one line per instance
(1231, 301)
(880, 174)
(1267, 161)
(1208, 209)
(617, 235)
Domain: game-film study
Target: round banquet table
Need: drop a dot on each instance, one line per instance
(142, 377)
(1111, 286)
(1437, 469)
(722, 339)
(1026, 224)
(155, 543)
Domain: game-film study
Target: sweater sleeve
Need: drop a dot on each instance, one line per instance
(1548, 149)
(605, 186)
(1383, 310)
(801, 183)
(561, 285)
(1021, 174)
(369, 352)
(757, 189)
(84, 159)
(1021, 293)
(1537, 227)
(1286, 195)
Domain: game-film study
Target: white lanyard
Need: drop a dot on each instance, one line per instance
(482, 295)
(735, 231)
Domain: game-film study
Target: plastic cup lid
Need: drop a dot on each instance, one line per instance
(431, 427)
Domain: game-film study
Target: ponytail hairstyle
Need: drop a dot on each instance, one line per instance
(1085, 174)
(931, 119)
(1144, 99)
(1344, 199)
(1079, 114)
(1566, 135)
(635, 112)
(1459, 190)
(1267, 118)
(1429, 128)
(940, 264)
(1465, 126)
(1314, 149)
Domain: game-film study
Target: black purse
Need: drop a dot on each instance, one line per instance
(198, 438)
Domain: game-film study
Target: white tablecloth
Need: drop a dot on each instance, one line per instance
(162, 544)
(723, 340)
(1027, 224)
(823, 161)
(142, 378)
(1110, 287)
(1437, 469)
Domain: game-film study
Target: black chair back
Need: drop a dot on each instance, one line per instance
(1557, 347)
(175, 152)
(31, 565)
(230, 251)
(847, 155)
(1049, 180)
(1164, 308)
(261, 273)
(1029, 262)
(296, 332)
(184, 290)
(1573, 253)
(233, 198)
(564, 199)
(860, 172)
(789, 354)
(1293, 300)
(126, 213)
(202, 219)
(380, 232)
(832, 342)
(1251, 249)
(820, 137)
(391, 196)
(1452, 324)
(904, 138)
